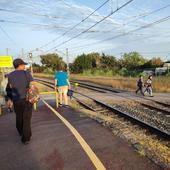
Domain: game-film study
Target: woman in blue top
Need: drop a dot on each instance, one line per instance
(62, 84)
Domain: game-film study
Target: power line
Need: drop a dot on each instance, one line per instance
(93, 25)
(94, 48)
(71, 6)
(7, 35)
(126, 33)
(33, 24)
(142, 16)
(29, 13)
(148, 13)
(76, 25)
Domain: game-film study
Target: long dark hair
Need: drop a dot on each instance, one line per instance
(149, 76)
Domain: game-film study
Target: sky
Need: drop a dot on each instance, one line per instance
(45, 26)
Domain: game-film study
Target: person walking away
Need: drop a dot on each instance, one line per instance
(3, 86)
(62, 84)
(149, 86)
(4, 83)
(8, 98)
(18, 81)
(6, 93)
(140, 85)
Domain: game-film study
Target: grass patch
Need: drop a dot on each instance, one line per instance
(43, 75)
(160, 84)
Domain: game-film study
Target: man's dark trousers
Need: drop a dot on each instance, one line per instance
(23, 110)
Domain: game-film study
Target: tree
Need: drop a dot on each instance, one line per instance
(153, 63)
(132, 60)
(52, 61)
(82, 62)
(86, 62)
(95, 59)
(37, 68)
(108, 62)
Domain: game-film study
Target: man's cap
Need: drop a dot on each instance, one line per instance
(18, 62)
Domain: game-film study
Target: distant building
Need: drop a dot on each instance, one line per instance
(148, 72)
(167, 65)
(160, 71)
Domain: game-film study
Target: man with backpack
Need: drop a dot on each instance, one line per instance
(19, 81)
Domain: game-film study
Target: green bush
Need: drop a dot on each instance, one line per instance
(48, 71)
(100, 72)
(168, 74)
(111, 72)
(123, 72)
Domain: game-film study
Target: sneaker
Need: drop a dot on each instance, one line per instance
(10, 110)
(25, 142)
(60, 105)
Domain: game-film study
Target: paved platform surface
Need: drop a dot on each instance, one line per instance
(53, 147)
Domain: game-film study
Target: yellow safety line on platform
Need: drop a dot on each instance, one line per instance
(53, 92)
(95, 160)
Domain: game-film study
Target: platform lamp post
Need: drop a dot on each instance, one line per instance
(30, 59)
(167, 63)
(68, 68)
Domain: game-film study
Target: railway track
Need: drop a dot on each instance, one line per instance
(158, 106)
(104, 108)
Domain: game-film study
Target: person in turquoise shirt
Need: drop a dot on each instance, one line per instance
(62, 84)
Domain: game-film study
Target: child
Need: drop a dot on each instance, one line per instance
(140, 85)
(7, 93)
(8, 98)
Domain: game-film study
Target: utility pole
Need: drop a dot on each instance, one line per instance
(7, 51)
(30, 59)
(22, 53)
(68, 69)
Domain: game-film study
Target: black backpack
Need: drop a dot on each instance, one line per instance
(139, 84)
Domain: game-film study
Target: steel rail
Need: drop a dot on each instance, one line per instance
(156, 130)
(105, 89)
(84, 85)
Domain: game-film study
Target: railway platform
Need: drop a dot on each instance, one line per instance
(54, 147)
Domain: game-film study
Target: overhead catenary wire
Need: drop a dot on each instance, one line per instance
(148, 13)
(72, 27)
(7, 35)
(129, 32)
(133, 40)
(125, 4)
(141, 16)
(76, 25)
(31, 13)
(32, 24)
